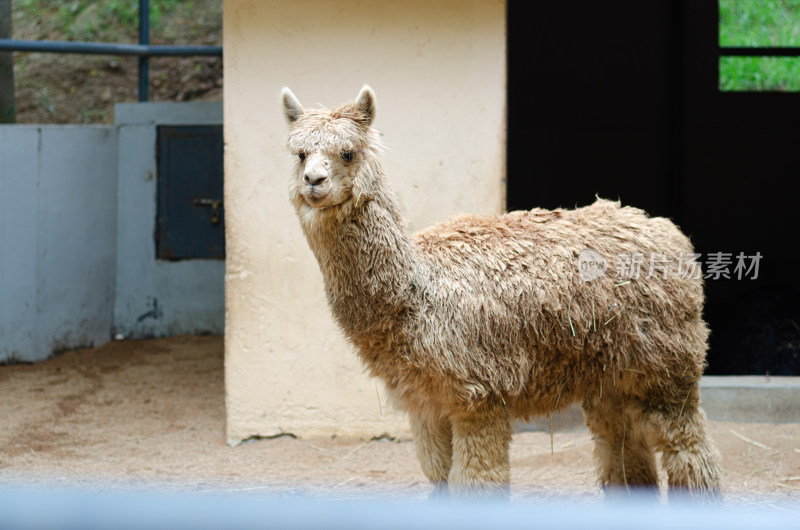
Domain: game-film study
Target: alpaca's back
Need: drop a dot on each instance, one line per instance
(513, 316)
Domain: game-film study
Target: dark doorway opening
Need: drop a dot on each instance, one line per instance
(622, 100)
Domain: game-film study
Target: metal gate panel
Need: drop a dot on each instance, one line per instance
(191, 216)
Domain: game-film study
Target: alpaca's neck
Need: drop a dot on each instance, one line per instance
(370, 267)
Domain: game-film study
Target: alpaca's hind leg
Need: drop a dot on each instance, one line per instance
(625, 459)
(481, 443)
(689, 456)
(433, 443)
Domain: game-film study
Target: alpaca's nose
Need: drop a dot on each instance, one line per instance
(315, 178)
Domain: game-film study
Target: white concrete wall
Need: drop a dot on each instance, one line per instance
(58, 196)
(438, 69)
(157, 297)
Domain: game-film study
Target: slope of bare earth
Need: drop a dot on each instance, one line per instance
(68, 88)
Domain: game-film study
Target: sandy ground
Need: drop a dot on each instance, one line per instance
(151, 414)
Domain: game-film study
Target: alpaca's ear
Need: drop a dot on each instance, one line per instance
(291, 105)
(365, 103)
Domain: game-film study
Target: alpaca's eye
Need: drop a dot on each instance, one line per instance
(347, 156)
(301, 155)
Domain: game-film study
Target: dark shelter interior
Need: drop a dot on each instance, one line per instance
(621, 100)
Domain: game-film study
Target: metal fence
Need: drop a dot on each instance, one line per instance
(144, 50)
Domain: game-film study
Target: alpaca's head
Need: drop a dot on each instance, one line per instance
(335, 150)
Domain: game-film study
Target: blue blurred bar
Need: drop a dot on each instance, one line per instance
(46, 509)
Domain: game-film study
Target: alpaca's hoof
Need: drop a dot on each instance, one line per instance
(479, 492)
(640, 494)
(440, 492)
(695, 496)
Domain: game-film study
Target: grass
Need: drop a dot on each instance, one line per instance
(97, 20)
(759, 23)
(759, 74)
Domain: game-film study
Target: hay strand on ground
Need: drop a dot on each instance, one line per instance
(750, 441)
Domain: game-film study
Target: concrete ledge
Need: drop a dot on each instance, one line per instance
(571, 420)
(755, 399)
(168, 113)
(751, 398)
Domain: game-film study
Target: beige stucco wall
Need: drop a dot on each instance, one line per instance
(438, 69)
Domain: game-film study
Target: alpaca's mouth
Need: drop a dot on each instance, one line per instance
(312, 200)
(316, 197)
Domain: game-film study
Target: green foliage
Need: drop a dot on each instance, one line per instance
(105, 20)
(759, 23)
(127, 11)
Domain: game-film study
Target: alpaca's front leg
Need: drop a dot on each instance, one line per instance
(481, 443)
(433, 442)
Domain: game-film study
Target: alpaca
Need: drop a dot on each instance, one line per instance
(481, 320)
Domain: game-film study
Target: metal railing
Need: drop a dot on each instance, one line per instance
(759, 51)
(143, 50)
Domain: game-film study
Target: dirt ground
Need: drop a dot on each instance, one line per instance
(151, 414)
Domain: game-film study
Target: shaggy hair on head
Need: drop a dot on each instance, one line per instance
(480, 320)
